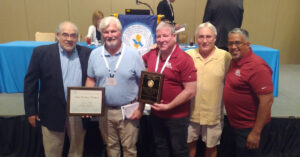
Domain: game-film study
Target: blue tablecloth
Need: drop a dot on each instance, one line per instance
(15, 58)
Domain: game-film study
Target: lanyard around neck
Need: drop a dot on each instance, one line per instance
(167, 60)
(112, 74)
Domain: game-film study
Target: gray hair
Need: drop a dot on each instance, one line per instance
(164, 24)
(241, 31)
(206, 24)
(107, 20)
(60, 27)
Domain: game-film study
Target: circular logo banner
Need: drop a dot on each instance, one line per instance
(138, 36)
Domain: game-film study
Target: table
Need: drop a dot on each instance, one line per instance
(271, 56)
(15, 58)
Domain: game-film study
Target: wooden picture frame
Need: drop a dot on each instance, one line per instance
(83, 101)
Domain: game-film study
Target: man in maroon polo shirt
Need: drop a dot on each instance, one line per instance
(248, 95)
(169, 118)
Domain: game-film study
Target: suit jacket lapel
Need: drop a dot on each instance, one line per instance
(57, 67)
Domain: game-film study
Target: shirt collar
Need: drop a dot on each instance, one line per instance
(175, 53)
(63, 52)
(107, 54)
(211, 57)
(245, 58)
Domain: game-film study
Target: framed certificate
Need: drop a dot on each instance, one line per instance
(85, 101)
(150, 87)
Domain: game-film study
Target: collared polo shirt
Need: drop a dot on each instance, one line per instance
(206, 108)
(246, 78)
(179, 70)
(70, 69)
(127, 75)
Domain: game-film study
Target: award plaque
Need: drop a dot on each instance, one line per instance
(150, 87)
(83, 101)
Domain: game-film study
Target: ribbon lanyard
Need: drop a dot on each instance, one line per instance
(167, 60)
(112, 74)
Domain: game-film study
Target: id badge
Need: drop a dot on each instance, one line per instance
(111, 81)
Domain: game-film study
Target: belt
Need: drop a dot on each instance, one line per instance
(116, 107)
(113, 107)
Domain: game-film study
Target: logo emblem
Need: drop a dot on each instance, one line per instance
(238, 73)
(169, 65)
(150, 83)
(138, 36)
(137, 41)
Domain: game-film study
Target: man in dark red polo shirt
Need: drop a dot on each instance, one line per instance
(169, 118)
(248, 94)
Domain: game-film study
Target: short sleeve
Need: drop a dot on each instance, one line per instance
(90, 31)
(261, 81)
(188, 70)
(227, 61)
(139, 66)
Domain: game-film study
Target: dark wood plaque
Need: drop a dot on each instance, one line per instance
(150, 87)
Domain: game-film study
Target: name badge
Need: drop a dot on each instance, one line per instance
(111, 81)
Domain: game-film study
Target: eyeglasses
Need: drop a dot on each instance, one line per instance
(66, 35)
(236, 43)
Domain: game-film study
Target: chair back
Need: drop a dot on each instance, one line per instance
(182, 38)
(80, 37)
(43, 36)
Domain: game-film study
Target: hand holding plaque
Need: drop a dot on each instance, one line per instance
(150, 87)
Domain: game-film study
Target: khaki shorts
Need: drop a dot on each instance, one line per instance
(211, 134)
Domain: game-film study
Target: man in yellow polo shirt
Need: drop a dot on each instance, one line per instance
(212, 64)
